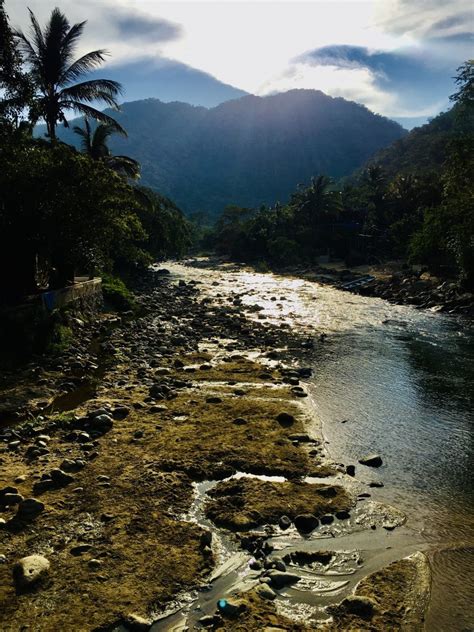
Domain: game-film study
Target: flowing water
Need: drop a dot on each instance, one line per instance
(396, 381)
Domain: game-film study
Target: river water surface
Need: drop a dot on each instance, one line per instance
(393, 380)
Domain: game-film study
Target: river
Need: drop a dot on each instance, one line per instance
(393, 380)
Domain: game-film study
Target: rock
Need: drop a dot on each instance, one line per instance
(284, 522)
(213, 400)
(230, 608)
(363, 607)
(29, 570)
(285, 419)
(94, 564)
(7, 490)
(138, 434)
(29, 509)
(72, 465)
(305, 523)
(343, 515)
(350, 469)
(240, 421)
(135, 623)
(101, 423)
(265, 592)
(80, 549)
(327, 519)
(375, 484)
(60, 478)
(371, 460)
(206, 538)
(120, 412)
(12, 499)
(279, 579)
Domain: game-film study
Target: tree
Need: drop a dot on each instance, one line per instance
(318, 203)
(94, 144)
(81, 224)
(14, 82)
(53, 70)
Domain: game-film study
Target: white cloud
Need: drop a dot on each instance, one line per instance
(252, 45)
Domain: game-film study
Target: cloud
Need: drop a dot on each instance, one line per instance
(412, 79)
(132, 25)
(425, 18)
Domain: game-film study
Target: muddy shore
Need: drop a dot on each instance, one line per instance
(190, 392)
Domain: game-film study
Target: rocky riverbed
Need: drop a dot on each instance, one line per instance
(178, 482)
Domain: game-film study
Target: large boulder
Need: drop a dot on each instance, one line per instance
(30, 569)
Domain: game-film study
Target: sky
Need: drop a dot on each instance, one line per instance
(397, 57)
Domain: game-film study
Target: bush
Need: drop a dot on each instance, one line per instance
(116, 294)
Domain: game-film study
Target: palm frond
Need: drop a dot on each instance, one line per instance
(69, 41)
(124, 165)
(84, 64)
(104, 90)
(53, 59)
(38, 37)
(93, 113)
(86, 135)
(27, 49)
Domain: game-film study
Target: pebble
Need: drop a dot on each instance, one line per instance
(94, 564)
(285, 419)
(371, 460)
(284, 522)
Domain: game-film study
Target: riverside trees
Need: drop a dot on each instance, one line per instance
(61, 210)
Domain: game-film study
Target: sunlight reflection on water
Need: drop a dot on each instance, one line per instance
(403, 381)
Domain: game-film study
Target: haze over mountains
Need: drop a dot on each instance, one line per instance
(169, 80)
(249, 151)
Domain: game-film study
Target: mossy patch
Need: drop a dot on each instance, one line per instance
(394, 598)
(248, 502)
(208, 444)
(257, 614)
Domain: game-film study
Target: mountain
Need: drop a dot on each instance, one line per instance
(249, 151)
(422, 150)
(169, 80)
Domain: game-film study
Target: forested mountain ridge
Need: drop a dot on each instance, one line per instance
(249, 151)
(423, 150)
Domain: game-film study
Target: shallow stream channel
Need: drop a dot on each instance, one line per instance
(386, 379)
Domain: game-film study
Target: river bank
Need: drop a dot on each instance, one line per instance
(395, 282)
(130, 514)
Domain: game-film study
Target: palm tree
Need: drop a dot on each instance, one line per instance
(318, 204)
(94, 143)
(54, 71)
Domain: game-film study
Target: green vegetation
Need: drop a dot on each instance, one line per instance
(249, 151)
(116, 293)
(63, 212)
(423, 213)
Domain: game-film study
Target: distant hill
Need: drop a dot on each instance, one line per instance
(249, 151)
(422, 150)
(169, 80)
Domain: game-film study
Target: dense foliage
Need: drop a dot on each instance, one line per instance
(250, 151)
(62, 211)
(424, 214)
